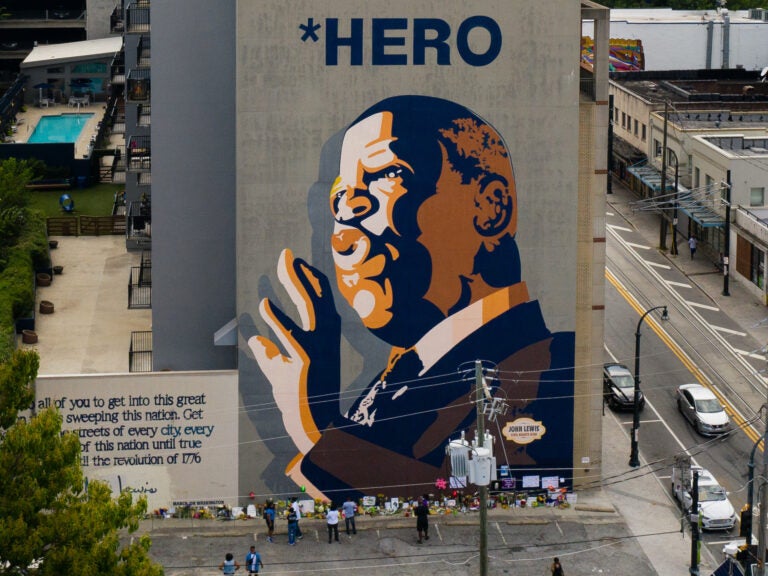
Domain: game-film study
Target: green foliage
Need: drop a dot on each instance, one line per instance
(52, 522)
(14, 176)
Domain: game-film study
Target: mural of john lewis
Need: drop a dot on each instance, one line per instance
(424, 248)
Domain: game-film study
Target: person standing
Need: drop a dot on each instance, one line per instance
(230, 565)
(253, 561)
(349, 508)
(692, 242)
(557, 568)
(422, 519)
(269, 518)
(297, 509)
(332, 518)
(293, 524)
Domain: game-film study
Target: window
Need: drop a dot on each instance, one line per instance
(629, 123)
(623, 120)
(757, 196)
(615, 114)
(708, 182)
(643, 137)
(696, 177)
(656, 148)
(636, 127)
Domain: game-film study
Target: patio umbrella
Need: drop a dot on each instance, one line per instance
(42, 86)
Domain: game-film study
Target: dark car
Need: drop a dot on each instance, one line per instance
(619, 387)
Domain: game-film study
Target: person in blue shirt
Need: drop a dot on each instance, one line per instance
(253, 561)
(269, 518)
(230, 565)
(349, 508)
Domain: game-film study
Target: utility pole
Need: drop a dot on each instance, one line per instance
(763, 504)
(694, 571)
(609, 183)
(727, 239)
(479, 390)
(662, 214)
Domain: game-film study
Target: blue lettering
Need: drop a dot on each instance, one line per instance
(381, 41)
(494, 46)
(421, 43)
(428, 34)
(333, 41)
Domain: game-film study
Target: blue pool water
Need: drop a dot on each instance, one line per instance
(62, 128)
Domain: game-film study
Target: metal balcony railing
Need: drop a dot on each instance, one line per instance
(140, 352)
(139, 153)
(139, 85)
(137, 17)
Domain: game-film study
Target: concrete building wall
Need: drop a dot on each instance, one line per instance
(193, 183)
(295, 99)
(97, 21)
(635, 108)
(690, 40)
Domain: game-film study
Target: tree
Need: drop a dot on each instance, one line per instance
(52, 521)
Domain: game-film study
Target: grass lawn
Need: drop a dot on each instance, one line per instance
(94, 201)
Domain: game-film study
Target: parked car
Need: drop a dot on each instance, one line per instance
(619, 387)
(717, 512)
(702, 409)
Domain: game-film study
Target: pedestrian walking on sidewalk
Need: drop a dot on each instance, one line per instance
(269, 518)
(230, 565)
(253, 561)
(332, 518)
(422, 519)
(692, 242)
(349, 508)
(557, 568)
(293, 524)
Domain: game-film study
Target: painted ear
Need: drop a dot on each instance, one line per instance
(494, 206)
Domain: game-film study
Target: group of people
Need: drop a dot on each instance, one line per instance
(253, 562)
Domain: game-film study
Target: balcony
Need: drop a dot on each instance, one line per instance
(139, 154)
(144, 51)
(145, 114)
(139, 225)
(140, 353)
(754, 222)
(137, 17)
(116, 22)
(138, 85)
(140, 283)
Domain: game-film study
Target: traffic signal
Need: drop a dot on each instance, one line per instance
(745, 528)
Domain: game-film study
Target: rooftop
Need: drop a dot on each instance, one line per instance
(69, 51)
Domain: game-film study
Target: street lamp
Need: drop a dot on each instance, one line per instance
(634, 456)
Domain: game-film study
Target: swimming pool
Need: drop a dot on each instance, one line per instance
(61, 128)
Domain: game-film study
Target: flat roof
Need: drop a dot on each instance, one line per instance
(69, 51)
(670, 16)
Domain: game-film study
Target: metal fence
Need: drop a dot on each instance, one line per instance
(140, 353)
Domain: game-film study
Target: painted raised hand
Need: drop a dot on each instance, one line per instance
(303, 364)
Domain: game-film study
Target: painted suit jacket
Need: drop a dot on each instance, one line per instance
(397, 431)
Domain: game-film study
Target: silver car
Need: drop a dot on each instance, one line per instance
(702, 409)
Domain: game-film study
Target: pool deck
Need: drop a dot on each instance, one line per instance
(27, 121)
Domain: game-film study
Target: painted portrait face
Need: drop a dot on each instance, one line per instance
(407, 229)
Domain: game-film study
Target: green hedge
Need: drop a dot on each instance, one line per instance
(17, 291)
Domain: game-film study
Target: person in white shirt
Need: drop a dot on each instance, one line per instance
(333, 523)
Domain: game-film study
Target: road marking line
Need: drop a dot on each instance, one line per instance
(641, 246)
(704, 306)
(557, 524)
(622, 228)
(680, 284)
(609, 213)
(727, 330)
(631, 422)
(437, 529)
(657, 265)
(501, 534)
(750, 354)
